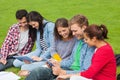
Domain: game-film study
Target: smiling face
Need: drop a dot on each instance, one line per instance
(77, 31)
(34, 24)
(22, 22)
(90, 42)
(64, 32)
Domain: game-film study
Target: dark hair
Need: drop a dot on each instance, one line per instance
(79, 19)
(35, 16)
(100, 32)
(21, 13)
(32, 32)
(61, 22)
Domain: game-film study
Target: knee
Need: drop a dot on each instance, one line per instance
(17, 63)
(37, 71)
(2, 67)
(26, 67)
(33, 75)
(40, 73)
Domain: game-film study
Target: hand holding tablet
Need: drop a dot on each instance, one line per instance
(50, 64)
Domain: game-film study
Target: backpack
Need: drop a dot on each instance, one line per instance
(117, 56)
(118, 76)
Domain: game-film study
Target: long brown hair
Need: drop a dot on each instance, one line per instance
(35, 16)
(61, 22)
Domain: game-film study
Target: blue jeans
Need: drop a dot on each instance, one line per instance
(33, 65)
(18, 63)
(41, 73)
(7, 65)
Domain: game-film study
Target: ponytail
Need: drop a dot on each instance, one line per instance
(104, 31)
(100, 32)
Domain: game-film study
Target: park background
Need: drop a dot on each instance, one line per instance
(97, 11)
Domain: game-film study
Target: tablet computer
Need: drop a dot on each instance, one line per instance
(22, 58)
(50, 64)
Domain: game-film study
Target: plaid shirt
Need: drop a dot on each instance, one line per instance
(11, 42)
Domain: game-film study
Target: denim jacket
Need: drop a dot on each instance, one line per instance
(86, 54)
(48, 36)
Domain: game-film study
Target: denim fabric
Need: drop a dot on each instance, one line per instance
(9, 64)
(32, 66)
(85, 61)
(48, 36)
(86, 54)
(41, 73)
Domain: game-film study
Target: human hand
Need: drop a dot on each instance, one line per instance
(36, 58)
(55, 62)
(26, 61)
(3, 61)
(57, 70)
(48, 63)
(62, 77)
(23, 73)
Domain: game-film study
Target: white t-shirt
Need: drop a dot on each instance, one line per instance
(23, 39)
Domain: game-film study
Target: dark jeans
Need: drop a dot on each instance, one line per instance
(41, 73)
(7, 65)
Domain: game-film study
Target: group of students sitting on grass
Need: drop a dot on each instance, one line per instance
(73, 48)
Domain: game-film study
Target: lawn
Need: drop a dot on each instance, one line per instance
(98, 11)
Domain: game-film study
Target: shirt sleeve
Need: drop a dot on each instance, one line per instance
(53, 48)
(50, 29)
(8, 40)
(72, 72)
(37, 51)
(68, 62)
(99, 60)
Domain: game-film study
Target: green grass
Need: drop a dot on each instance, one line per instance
(98, 11)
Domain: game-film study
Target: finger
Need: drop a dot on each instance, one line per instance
(34, 57)
(48, 65)
(58, 78)
(26, 61)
